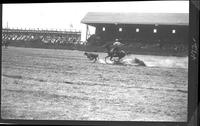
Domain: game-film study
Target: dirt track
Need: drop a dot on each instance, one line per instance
(64, 85)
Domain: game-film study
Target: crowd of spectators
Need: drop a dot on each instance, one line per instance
(51, 39)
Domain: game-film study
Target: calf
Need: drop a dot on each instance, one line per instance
(92, 56)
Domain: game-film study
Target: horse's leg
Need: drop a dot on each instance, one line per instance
(95, 59)
(111, 58)
(106, 58)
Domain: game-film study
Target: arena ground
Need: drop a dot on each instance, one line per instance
(64, 85)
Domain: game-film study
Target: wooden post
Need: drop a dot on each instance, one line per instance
(86, 32)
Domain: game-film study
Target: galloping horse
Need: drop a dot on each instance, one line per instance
(112, 54)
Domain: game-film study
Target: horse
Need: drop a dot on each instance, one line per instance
(112, 54)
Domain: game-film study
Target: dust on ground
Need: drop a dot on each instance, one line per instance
(64, 85)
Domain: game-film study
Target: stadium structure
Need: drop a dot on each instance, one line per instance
(138, 27)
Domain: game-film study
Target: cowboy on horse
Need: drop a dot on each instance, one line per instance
(114, 50)
(116, 46)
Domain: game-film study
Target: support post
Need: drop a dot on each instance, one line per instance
(86, 32)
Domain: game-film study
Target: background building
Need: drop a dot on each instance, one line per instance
(138, 27)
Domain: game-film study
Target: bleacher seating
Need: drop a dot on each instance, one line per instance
(52, 37)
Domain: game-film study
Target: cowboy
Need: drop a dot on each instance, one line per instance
(116, 46)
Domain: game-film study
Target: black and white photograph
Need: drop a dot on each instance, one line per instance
(95, 61)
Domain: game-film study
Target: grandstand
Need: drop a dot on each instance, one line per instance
(71, 39)
(140, 32)
(41, 36)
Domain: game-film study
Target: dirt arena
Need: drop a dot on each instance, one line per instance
(64, 85)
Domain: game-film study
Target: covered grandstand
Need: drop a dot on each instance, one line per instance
(132, 28)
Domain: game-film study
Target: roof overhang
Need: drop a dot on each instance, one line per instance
(94, 18)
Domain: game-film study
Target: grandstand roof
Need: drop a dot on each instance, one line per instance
(136, 18)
